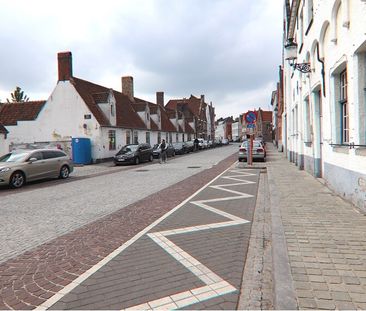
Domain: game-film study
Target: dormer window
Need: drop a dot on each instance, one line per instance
(112, 110)
(87, 116)
(147, 116)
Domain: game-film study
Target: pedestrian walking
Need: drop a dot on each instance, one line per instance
(163, 155)
(196, 144)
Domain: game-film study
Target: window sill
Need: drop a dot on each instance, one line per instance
(360, 151)
(340, 149)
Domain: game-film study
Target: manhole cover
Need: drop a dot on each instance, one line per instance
(194, 166)
(141, 170)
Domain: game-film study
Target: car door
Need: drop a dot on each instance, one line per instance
(51, 163)
(144, 153)
(35, 167)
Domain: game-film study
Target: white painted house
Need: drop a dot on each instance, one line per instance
(324, 92)
(81, 109)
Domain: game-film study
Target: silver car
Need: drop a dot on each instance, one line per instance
(258, 152)
(21, 166)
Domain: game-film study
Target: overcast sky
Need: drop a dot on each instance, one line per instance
(228, 50)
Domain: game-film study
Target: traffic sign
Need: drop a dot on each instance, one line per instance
(251, 117)
(251, 126)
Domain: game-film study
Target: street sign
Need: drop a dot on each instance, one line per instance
(251, 117)
(251, 126)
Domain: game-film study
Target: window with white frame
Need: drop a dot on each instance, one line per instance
(135, 137)
(148, 137)
(310, 14)
(170, 137)
(176, 137)
(308, 120)
(128, 137)
(344, 106)
(112, 139)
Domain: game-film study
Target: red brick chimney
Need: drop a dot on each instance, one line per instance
(127, 87)
(64, 66)
(160, 98)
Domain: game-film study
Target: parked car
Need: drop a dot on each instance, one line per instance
(134, 153)
(189, 145)
(225, 141)
(217, 142)
(263, 145)
(170, 151)
(21, 166)
(201, 143)
(258, 151)
(180, 148)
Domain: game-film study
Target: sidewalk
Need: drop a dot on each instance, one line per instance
(318, 242)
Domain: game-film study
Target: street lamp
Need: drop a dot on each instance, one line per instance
(291, 56)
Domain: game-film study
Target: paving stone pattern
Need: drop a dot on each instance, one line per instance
(31, 278)
(146, 273)
(325, 238)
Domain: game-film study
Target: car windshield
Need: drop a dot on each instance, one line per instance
(256, 144)
(14, 157)
(178, 144)
(128, 148)
(156, 146)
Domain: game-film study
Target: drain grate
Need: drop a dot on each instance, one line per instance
(194, 167)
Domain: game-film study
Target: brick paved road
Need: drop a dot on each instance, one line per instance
(45, 210)
(29, 279)
(194, 258)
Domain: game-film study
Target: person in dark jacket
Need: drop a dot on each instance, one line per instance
(196, 144)
(163, 155)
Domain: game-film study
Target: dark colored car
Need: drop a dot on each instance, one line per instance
(180, 148)
(189, 146)
(134, 153)
(170, 151)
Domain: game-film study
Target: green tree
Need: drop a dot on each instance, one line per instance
(18, 96)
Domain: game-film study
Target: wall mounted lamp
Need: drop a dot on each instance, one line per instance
(291, 56)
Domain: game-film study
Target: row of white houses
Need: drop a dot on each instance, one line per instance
(323, 92)
(111, 119)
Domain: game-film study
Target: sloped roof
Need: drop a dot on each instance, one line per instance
(166, 124)
(100, 98)
(139, 106)
(188, 128)
(153, 125)
(11, 113)
(125, 115)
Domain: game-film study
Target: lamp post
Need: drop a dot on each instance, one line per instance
(291, 56)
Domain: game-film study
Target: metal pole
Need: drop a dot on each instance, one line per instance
(250, 159)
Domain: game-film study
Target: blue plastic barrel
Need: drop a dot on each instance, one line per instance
(81, 150)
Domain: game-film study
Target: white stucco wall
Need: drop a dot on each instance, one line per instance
(4, 146)
(339, 30)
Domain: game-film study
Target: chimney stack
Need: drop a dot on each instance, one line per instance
(160, 98)
(127, 87)
(64, 66)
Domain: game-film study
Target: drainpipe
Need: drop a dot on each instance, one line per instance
(322, 62)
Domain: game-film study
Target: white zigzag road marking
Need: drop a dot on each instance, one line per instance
(214, 285)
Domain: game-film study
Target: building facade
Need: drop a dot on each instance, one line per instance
(79, 108)
(324, 116)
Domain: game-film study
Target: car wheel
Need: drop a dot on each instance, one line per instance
(137, 160)
(151, 158)
(64, 172)
(17, 180)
